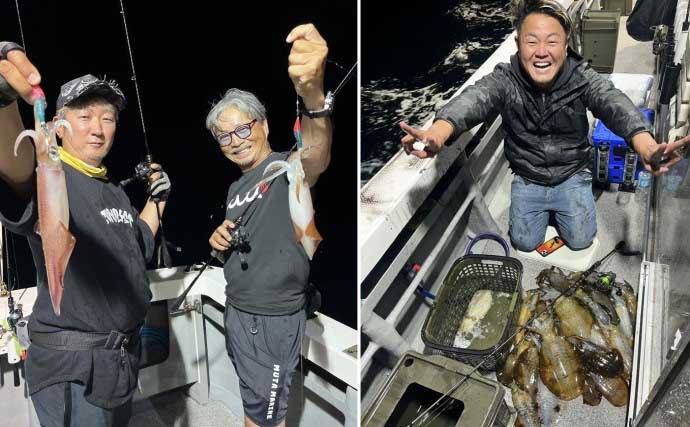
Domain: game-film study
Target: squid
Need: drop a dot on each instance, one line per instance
(53, 206)
(301, 208)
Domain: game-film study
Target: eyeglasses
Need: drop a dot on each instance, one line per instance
(242, 131)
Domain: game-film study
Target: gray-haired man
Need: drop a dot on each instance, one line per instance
(82, 364)
(264, 313)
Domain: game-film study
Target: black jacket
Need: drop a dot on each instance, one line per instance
(546, 133)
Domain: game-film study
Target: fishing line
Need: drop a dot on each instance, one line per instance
(330, 99)
(3, 259)
(164, 252)
(301, 365)
(246, 214)
(330, 61)
(573, 287)
(443, 406)
(2, 256)
(345, 79)
(134, 79)
(21, 29)
(7, 237)
(14, 278)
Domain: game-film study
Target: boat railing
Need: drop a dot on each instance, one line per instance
(328, 344)
(394, 195)
(382, 331)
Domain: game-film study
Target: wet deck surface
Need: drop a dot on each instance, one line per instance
(176, 409)
(619, 217)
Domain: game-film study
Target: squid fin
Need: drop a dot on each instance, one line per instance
(58, 265)
(312, 232)
(298, 231)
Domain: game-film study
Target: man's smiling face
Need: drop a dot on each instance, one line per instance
(247, 152)
(542, 46)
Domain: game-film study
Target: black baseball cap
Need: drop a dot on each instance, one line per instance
(91, 85)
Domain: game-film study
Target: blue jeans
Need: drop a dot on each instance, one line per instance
(572, 202)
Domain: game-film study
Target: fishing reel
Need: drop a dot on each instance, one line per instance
(603, 282)
(239, 241)
(15, 313)
(142, 171)
(661, 39)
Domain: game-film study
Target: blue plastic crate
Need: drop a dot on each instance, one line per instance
(603, 136)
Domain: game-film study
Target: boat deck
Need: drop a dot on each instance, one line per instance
(176, 409)
(620, 216)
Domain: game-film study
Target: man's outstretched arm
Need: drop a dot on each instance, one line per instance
(19, 75)
(306, 66)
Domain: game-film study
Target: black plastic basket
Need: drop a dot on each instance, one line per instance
(468, 275)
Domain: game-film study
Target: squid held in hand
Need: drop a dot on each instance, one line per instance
(301, 208)
(53, 206)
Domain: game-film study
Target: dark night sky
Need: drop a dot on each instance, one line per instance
(186, 56)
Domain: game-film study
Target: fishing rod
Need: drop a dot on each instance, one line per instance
(239, 241)
(8, 266)
(584, 275)
(21, 29)
(437, 407)
(143, 170)
(8, 249)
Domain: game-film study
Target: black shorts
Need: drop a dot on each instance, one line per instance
(64, 404)
(265, 351)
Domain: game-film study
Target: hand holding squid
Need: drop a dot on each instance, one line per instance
(307, 63)
(18, 76)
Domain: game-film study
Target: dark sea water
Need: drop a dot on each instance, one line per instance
(414, 59)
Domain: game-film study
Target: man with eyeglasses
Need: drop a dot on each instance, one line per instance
(264, 312)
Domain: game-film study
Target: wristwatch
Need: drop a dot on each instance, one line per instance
(326, 111)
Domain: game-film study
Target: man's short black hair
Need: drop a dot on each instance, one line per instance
(521, 9)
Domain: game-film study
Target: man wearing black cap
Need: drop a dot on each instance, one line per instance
(81, 367)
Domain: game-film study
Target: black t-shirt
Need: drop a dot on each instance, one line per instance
(278, 267)
(105, 286)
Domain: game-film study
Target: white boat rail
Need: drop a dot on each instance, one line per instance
(391, 198)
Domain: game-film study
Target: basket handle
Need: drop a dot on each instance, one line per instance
(491, 236)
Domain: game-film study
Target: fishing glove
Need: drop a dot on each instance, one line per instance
(7, 94)
(160, 188)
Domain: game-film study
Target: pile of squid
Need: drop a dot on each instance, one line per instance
(582, 345)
